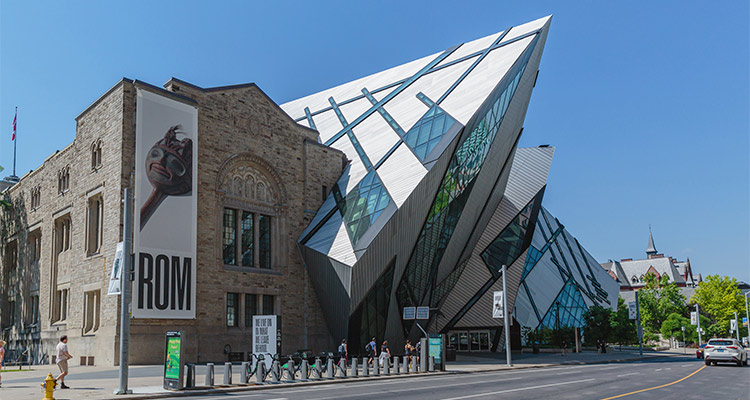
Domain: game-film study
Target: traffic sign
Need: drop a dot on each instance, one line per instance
(423, 312)
(632, 312)
(410, 312)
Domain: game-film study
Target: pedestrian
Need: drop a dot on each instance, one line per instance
(344, 352)
(385, 354)
(62, 361)
(565, 347)
(418, 350)
(2, 359)
(407, 351)
(371, 350)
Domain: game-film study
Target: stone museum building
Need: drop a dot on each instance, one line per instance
(334, 211)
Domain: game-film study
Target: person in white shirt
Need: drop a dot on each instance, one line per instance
(62, 361)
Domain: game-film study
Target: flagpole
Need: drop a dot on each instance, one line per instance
(15, 140)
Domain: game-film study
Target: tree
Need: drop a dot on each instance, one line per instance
(624, 330)
(719, 297)
(672, 326)
(657, 300)
(596, 324)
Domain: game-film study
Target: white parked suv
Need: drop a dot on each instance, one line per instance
(725, 350)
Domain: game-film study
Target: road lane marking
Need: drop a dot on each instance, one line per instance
(632, 373)
(519, 389)
(657, 370)
(566, 373)
(655, 387)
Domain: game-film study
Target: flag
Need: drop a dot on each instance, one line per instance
(14, 126)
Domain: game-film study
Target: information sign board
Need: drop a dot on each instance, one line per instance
(173, 361)
(435, 343)
(632, 311)
(266, 337)
(423, 312)
(410, 312)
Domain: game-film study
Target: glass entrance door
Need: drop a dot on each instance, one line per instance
(474, 340)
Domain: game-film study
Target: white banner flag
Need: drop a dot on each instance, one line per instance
(632, 311)
(497, 304)
(694, 318)
(115, 285)
(166, 207)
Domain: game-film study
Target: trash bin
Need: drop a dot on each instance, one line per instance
(450, 353)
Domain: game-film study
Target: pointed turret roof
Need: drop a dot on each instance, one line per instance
(651, 248)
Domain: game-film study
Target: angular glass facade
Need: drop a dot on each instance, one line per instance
(465, 165)
(567, 309)
(369, 319)
(509, 244)
(362, 205)
(427, 132)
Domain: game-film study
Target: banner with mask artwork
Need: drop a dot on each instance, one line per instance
(166, 207)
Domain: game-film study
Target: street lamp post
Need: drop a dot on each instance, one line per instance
(698, 320)
(747, 315)
(684, 344)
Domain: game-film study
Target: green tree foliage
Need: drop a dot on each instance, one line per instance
(672, 326)
(624, 329)
(597, 324)
(719, 297)
(657, 300)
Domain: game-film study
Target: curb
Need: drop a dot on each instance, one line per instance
(254, 386)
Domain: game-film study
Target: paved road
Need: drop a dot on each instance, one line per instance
(599, 381)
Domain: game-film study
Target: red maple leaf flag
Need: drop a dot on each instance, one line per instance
(14, 126)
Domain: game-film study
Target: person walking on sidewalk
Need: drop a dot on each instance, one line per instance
(565, 348)
(385, 354)
(343, 353)
(408, 350)
(62, 361)
(371, 349)
(2, 358)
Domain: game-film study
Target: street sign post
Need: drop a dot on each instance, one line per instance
(638, 320)
(698, 323)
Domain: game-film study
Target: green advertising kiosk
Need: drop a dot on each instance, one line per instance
(173, 362)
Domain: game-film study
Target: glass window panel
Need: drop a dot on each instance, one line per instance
(232, 308)
(229, 233)
(268, 306)
(246, 225)
(264, 241)
(251, 308)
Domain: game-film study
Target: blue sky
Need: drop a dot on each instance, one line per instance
(647, 102)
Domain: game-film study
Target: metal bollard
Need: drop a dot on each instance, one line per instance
(260, 372)
(228, 373)
(209, 374)
(355, 368)
(423, 355)
(341, 367)
(413, 364)
(244, 376)
(330, 371)
(365, 367)
(318, 369)
(387, 367)
(396, 365)
(375, 367)
(405, 365)
(431, 366)
(303, 369)
(189, 375)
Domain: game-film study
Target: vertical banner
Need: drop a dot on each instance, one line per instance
(266, 337)
(166, 207)
(632, 312)
(497, 304)
(115, 279)
(693, 318)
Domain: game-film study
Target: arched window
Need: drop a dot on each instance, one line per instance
(63, 180)
(634, 279)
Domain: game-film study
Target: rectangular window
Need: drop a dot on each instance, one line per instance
(268, 304)
(35, 309)
(232, 309)
(91, 311)
(251, 308)
(248, 253)
(229, 234)
(11, 313)
(60, 311)
(34, 246)
(62, 233)
(264, 241)
(324, 193)
(94, 225)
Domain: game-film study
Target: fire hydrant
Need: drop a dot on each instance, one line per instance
(49, 385)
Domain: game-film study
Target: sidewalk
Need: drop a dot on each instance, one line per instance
(145, 381)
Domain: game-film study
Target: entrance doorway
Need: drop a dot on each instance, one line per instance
(473, 340)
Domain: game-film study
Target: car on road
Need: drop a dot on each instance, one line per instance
(699, 351)
(725, 350)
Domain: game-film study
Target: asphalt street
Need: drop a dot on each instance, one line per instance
(685, 376)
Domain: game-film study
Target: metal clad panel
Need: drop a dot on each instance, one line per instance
(401, 173)
(471, 47)
(331, 293)
(375, 136)
(544, 283)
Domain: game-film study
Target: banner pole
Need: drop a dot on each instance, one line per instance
(125, 292)
(506, 324)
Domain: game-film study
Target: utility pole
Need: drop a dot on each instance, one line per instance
(640, 329)
(684, 344)
(698, 318)
(506, 324)
(737, 325)
(127, 248)
(747, 315)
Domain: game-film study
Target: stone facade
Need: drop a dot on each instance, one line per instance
(252, 157)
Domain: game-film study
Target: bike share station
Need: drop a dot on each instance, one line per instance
(433, 345)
